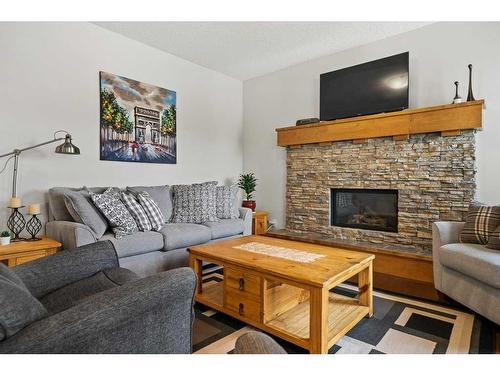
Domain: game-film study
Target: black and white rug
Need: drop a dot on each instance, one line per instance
(400, 325)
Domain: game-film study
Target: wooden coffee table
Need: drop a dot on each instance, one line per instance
(284, 287)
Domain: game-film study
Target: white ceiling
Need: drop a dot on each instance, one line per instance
(245, 50)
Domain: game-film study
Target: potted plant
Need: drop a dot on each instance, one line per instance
(247, 183)
(5, 237)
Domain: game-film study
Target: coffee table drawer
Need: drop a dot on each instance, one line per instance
(242, 281)
(244, 307)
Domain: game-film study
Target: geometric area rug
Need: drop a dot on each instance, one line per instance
(399, 325)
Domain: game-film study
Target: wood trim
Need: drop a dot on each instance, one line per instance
(443, 118)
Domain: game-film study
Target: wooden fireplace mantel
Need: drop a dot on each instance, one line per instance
(447, 119)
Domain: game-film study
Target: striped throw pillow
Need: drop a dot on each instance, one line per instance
(480, 223)
(494, 240)
(152, 210)
(140, 216)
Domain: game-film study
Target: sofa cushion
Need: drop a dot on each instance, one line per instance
(72, 294)
(57, 206)
(480, 223)
(82, 210)
(473, 260)
(195, 203)
(226, 202)
(18, 307)
(111, 206)
(161, 195)
(134, 207)
(136, 243)
(179, 235)
(226, 227)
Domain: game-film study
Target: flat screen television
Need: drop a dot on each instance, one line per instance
(364, 89)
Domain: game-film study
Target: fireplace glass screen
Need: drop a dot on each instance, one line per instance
(373, 209)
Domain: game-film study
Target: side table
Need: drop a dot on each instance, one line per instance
(259, 222)
(17, 253)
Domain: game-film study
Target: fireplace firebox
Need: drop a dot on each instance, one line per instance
(372, 209)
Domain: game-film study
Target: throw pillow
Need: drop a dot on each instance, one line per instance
(162, 195)
(225, 202)
(494, 240)
(140, 216)
(82, 210)
(121, 221)
(194, 203)
(152, 210)
(480, 223)
(18, 307)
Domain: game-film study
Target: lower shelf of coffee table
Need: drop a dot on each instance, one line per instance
(344, 314)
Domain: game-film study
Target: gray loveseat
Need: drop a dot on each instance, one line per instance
(145, 253)
(81, 301)
(468, 273)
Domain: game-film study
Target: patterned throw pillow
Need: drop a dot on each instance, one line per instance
(480, 223)
(140, 216)
(194, 203)
(120, 220)
(152, 210)
(494, 240)
(225, 202)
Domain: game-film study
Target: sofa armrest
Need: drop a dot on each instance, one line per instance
(149, 315)
(446, 232)
(246, 216)
(69, 233)
(47, 274)
(443, 233)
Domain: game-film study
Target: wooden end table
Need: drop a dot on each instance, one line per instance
(17, 253)
(286, 297)
(259, 222)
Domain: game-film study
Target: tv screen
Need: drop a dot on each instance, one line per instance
(373, 87)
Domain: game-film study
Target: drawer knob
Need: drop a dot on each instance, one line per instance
(242, 283)
(240, 309)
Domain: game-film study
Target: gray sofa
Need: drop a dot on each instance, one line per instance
(145, 253)
(81, 301)
(468, 273)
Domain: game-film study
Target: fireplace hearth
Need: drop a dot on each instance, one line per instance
(372, 209)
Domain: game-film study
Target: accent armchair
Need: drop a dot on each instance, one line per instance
(90, 305)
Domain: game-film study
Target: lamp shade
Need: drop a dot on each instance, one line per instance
(67, 147)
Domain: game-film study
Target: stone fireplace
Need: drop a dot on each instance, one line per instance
(331, 187)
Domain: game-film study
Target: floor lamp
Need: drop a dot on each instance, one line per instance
(16, 220)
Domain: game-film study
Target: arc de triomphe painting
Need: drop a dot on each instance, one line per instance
(138, 121)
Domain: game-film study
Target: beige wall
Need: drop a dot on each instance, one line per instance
(49, 74)
(439, 54)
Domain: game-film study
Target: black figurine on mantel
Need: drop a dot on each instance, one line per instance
(457, 98)
(470, 95)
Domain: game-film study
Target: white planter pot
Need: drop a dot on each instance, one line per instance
(4, 241)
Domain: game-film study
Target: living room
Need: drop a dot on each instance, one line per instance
(323, 186)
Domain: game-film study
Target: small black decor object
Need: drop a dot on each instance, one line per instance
(457, 98)
(470, 95)
(16, 223)
(33, 227)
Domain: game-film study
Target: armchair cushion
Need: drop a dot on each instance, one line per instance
(473, 260)
(72, 294)
(18, 308)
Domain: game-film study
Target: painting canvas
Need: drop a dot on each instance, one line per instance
(138, 121)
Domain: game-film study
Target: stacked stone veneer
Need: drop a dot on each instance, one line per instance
(435, 177)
